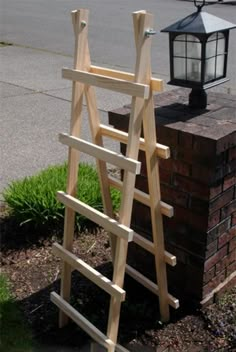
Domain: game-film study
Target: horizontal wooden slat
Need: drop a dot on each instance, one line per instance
(151, 286)
(149, 246)
(101, 153)
(106, 82)
(162, 151)
(109, 224)
(92, 274)
(142, 197)
(81, 321)
(156, 83)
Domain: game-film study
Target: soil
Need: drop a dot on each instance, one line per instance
(34, 272)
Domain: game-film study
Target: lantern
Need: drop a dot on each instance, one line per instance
(198, 53)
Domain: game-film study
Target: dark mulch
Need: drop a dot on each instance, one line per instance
(34, 272)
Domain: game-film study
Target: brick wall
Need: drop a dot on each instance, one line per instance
(199, 180)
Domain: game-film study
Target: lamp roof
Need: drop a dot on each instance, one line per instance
(199, 23)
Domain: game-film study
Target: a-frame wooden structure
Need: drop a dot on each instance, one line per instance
(140, 86)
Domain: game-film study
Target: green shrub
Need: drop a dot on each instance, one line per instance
(33, 199)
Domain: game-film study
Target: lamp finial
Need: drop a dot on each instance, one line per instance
(199, 4)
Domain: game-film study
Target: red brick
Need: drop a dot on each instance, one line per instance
(194, 188)
(215, 191)
(224, 238)
(141, 183)
(231, 268)
(220, 228)
(176, 166)
(167, 136)
(213, 219)
(224, 262)
(215, 258)
(204, 145)
(165, 176)
(170, 194)
(202, 174)
(232, 153)
(234, 218)
(119, 118)
(223, 199)
(197, 221)
(228, 209)
(185, 140)
(209, 275)
(229, 181)
(211, 249)
(212, 284)
(232, 244)
(199, 205)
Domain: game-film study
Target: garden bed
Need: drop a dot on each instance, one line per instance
(33, 271)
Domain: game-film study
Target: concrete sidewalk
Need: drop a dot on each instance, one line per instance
(35, 107)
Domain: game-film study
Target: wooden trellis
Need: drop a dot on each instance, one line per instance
(140, 86)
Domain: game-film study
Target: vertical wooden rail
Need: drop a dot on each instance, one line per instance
(79, 18)
(144, 21)
(94, 122)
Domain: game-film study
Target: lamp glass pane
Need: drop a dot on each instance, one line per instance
(179, 68)
(194, 70)
(221, 46)
(179, 48)
(194, 47)
(211, 46)
(210, 69)
(220, 60)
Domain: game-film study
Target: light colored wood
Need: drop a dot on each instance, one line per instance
(73, 155)
(156, 83)
(91, 274)
(151, 286)
(149, 131)
(149, 246)
(82, 322)
(134, 131)
(96, 216)
(101, 153)
(162, 151)
(143, 197)
(105, 82)
(94, 121)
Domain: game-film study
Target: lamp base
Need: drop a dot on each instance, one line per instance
(198, 98)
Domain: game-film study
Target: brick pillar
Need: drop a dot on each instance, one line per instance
(200, 182)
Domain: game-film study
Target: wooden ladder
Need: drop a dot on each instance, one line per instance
(140, 86)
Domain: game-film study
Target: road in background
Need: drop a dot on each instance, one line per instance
(46, 25)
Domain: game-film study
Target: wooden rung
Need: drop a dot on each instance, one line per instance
(151, 286)
(106, 82)
(86, 270)
(162, 151)
(81, 321)
(118, 348)
(109, 224)
(143, 197)
(149, 246)
(101, 153)
(156, 84)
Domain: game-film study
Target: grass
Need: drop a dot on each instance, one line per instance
(33, 199)
(14, 335)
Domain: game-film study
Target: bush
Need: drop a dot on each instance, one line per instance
(33, 199)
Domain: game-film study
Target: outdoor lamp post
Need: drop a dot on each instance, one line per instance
(198, 53)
